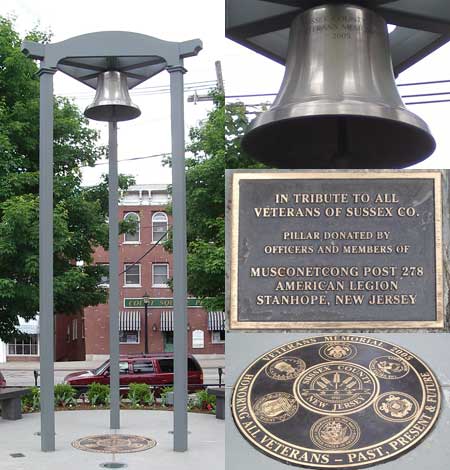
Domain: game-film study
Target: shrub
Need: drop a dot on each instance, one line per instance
(65, 395)
(140, 394)
(206, 401)
(164, 392)
(98, 394)
(32, 400)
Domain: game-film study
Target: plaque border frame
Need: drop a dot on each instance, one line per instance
(237, 175)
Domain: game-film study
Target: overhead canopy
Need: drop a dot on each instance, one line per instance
(136, 69)
(167, 320)
(216, 321)
(130, 320)
(263, 26)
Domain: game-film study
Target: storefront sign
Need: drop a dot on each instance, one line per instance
(157, 303)
(198, 339)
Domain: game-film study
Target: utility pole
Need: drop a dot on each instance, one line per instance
(220, 86)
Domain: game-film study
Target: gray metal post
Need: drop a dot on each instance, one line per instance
(46, 259)
(113, 181)
(180, 439)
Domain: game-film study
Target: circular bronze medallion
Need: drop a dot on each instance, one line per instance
(275, 407)
(389, 367)
(287, 368)
(338, 351)
(336, 432)
(337, 401)
(114, 443)
(336, 388)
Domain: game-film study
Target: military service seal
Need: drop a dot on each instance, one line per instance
(337, 401)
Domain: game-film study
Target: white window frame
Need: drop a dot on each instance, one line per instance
(215, 337)
(21, 355)
(104, 284)
(68, 333)
(131, 342)
(138, 232)
(125, 265)
(74, 329)
(167, 226)
(153, 275)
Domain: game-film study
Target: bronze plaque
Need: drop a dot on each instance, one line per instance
(336, 250)
(114, 443)
(338, 401)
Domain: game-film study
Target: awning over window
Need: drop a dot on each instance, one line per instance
(130, 320)
(30, 327)
(216, 321)
(167, 320)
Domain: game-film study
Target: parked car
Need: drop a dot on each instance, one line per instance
(2, 380)
(152, 369)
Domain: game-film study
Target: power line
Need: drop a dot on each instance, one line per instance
(157, 89)
(131, 158)
(433, 82)
(130, 265)
(428, 102)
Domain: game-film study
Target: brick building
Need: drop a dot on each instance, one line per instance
(146, 268)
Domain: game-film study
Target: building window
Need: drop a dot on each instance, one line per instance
(160, 275)
(218, 336)
(74, 329)
(168, 341)
(136, 236)
(26, 345)
(82, 328)
(104, 279)
(159, 227)
(129, 336)
(68, 333)
(132, 275)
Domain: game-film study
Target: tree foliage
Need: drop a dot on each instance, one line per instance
(79, 213)
(214, 147)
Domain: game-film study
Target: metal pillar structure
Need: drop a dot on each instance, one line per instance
(84, 58)
(113, 304)
(46, 258)
(179, 260)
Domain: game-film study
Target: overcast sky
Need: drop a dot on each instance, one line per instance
(244, 71)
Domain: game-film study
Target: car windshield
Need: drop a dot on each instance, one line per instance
(101, 368)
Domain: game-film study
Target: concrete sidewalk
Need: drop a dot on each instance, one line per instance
(206, 441)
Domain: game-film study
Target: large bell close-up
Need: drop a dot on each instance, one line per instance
(338, 105)
(112, 100)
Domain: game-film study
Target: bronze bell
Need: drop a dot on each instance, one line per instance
(112, 101)
(338, 105)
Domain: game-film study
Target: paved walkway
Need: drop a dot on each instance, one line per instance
(206, 442)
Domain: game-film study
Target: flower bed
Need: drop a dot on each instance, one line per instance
(140, 397)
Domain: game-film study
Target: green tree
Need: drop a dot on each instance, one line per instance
(79, 213)
(214, 147)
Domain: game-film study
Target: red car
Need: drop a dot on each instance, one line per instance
(152, 369)
(2, 380)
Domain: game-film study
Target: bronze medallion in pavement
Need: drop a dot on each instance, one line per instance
(114, 443)
(336, 401)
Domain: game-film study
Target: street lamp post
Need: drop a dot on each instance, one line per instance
(146, 299)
